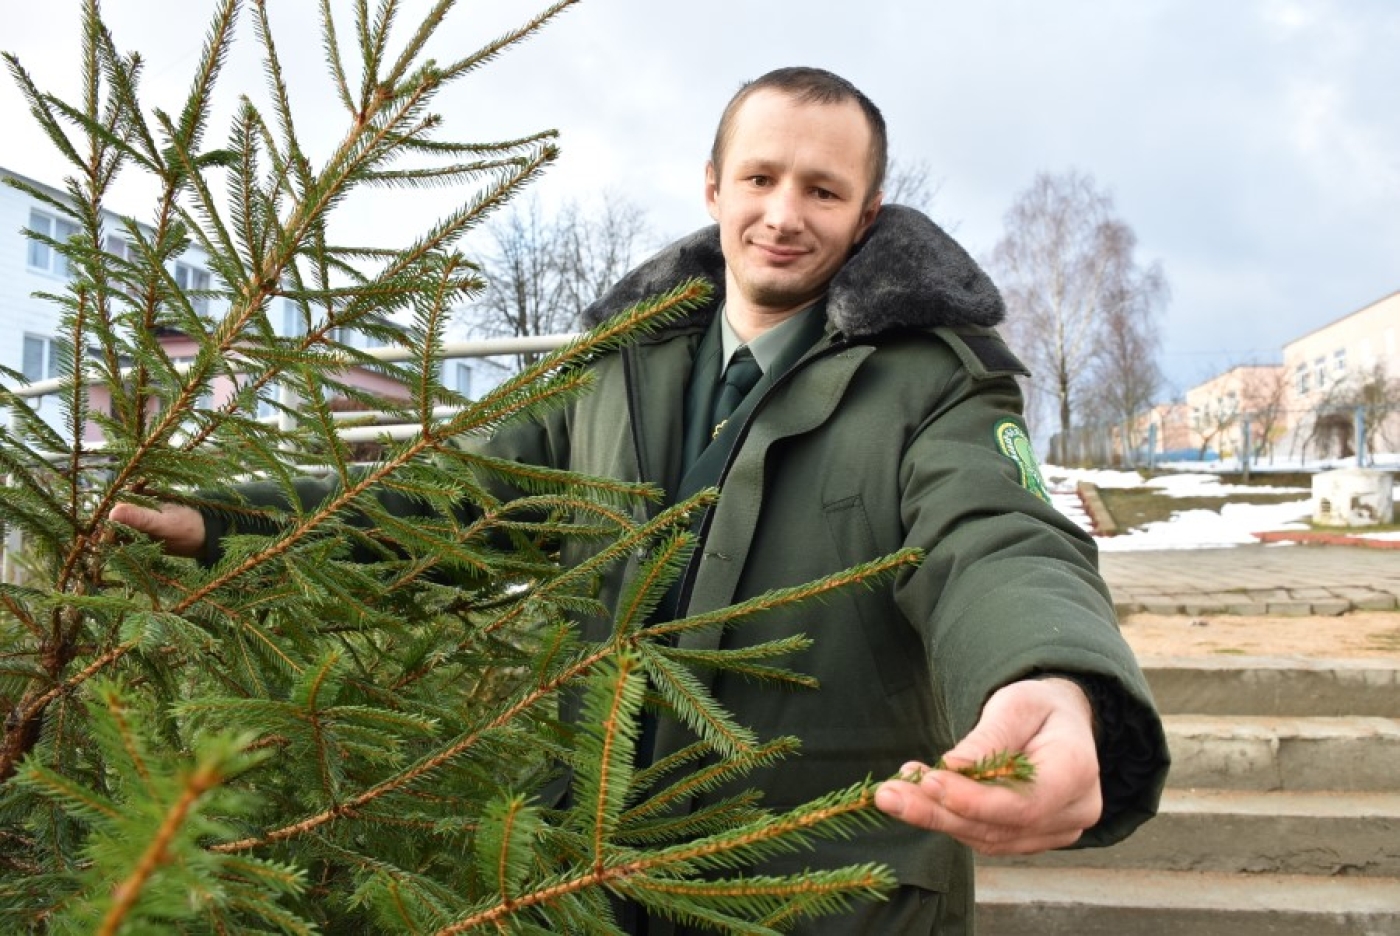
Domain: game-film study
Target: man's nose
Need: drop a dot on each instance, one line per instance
(784, 210)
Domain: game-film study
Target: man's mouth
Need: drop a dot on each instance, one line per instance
(780, 253)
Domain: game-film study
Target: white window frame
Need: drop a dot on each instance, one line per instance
(354, 338)
(118, 246)
(39, 256)
(194, 279)
(293, 324)
(48, 349)
(462, 379)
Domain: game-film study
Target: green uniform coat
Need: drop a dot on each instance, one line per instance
(882, 436)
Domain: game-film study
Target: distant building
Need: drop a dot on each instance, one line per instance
(30, 342)
(1243, 407)
(1167, 429)
(1347, 366)
(1332, 379)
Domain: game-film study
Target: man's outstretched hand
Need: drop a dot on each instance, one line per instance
(179, 528)
(1050, 721)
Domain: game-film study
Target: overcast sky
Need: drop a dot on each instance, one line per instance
(1253, 145)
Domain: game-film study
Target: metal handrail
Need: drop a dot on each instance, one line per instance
(480, 347)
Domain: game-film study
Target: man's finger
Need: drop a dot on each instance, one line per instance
(989, 827)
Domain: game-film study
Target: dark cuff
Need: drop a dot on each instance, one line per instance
(1132, 754)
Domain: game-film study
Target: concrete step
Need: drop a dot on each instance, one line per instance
(1268, 753)
(1091, 902)
(1323, 833)
(1280, 686)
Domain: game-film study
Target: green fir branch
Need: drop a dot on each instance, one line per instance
(385, 660)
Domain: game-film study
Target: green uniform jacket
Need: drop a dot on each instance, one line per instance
(884, 435)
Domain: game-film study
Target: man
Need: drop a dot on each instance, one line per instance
(886, 415)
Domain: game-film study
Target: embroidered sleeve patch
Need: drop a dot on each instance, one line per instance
(1013, 442)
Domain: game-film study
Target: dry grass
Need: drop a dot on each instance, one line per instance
(1135, 507)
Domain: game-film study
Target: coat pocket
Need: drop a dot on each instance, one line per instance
(880, 622)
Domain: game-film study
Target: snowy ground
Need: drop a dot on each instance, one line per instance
(1232, 525)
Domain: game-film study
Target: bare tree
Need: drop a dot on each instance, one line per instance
(1264, 394)
(1213, 420)
(1066, 265)
(908, 183)
(1128, 379)
(1376, 396)
(1381, 396)
(542, 270)
(1327, 428)
(601, 241)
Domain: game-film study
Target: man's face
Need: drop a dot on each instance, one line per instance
(791, 198)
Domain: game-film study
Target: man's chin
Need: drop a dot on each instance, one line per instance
(784, 291)
(783, 299)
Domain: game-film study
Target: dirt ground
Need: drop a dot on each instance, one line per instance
(1358, 635)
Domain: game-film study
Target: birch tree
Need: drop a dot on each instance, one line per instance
(1080, 307)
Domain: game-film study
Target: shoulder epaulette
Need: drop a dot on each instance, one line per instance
(982, 351)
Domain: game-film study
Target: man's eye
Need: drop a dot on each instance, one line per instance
(823, 194)
(759, 180)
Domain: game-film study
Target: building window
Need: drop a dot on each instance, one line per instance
(43, 357)
(1302, 374)
(41, 256)
(462, 378)
(1339, 362)
(194, 280)
(118, 247)
(121, 249)
(1320, 372)
(353, 338)
(293, 324)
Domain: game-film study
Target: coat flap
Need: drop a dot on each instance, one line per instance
(798, 405)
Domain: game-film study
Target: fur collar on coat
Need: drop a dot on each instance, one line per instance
(906, 273)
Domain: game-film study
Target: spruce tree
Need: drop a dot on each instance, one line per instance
(344, 724)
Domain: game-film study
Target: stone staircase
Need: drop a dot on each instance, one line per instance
(1281, 817)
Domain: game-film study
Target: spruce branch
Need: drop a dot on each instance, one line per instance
(517, 707)
(384, 648)
(1004, 768)
(704, 779)
(126, 893)
(866, 574)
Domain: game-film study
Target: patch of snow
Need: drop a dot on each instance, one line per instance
(1205, 485)
(1232, 525)
(1102, 477)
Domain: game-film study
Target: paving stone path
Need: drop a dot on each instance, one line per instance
(1263, 579)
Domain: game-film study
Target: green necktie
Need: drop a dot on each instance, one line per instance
(739, 377)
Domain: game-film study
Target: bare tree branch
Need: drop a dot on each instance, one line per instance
(542, 270)
(907, 183)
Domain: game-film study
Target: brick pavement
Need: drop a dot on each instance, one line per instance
(1256, 579)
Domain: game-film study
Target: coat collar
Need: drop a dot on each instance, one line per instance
(906, 274)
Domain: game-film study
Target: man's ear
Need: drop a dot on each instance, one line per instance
(868, 216)
(711, 190)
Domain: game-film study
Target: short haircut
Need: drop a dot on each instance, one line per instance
(809, 86)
